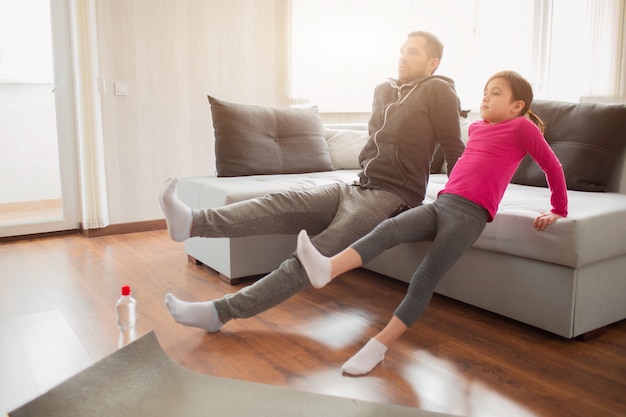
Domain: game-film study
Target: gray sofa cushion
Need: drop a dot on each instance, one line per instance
(345, 146)
(253, 140)
(587, 138)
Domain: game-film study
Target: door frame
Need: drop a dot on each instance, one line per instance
(66, 130)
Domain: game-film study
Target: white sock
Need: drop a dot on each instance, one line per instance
(177, 215)
(316, 265)
(202, 314)
(365, 359)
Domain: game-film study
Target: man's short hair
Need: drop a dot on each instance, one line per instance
(434, 47)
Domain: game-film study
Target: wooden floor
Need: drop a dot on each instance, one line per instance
(57, 316)
(30, 211)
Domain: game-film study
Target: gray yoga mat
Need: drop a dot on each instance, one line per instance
(141, 380)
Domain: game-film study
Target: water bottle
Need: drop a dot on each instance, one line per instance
(126, 311)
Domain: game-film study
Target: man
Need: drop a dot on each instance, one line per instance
(410, 117)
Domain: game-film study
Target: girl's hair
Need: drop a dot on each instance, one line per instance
(521, 90)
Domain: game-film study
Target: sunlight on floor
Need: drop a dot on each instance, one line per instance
(434, 382)
(338, 331)
(440, 384)
(47, 343)
(30, 211)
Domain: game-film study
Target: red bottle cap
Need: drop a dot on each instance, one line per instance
(125, 290)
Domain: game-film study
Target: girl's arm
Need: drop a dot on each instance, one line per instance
(544, 156)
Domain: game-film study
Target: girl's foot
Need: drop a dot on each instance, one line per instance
(365, 359)
(316, 265)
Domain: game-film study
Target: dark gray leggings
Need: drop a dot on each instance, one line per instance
(452, 223)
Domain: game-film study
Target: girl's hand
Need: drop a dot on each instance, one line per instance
(545, 219)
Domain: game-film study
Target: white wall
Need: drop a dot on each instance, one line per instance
(172, 54)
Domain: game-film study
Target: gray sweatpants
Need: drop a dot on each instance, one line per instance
(453, 223)
(336, 215)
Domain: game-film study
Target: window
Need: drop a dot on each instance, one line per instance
(341, 49)
(30, 59)
(586, 54)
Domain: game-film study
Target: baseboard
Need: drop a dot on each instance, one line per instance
(124, 228)
(38, 235)
(114, 229)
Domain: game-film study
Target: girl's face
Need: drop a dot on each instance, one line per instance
(498, 104)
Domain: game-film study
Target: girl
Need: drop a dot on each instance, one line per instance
(497, 143)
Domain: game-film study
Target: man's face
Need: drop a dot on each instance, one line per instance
(414, 61)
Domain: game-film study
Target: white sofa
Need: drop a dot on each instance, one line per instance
(569, 280)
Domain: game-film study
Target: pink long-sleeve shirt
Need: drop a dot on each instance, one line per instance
(493, 153)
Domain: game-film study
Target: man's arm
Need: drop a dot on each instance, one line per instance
(445, 116)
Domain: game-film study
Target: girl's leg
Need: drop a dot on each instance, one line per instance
(412, 225)
(460, 222)
(321, 269)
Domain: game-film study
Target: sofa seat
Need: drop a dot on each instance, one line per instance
(593, 231)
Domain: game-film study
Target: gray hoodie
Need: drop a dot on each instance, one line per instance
(408, 122)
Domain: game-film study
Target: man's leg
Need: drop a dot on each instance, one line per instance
(272, 214)
(359, 210)
(177, 215)
(278, 213)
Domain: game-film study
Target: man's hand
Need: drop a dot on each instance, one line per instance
(545, 219)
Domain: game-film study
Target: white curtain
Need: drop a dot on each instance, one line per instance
(568, 49)
(88, 115)
(584, 59)
(606, 21)
(341, 49)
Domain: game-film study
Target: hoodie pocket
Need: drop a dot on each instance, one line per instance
(386, 166)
